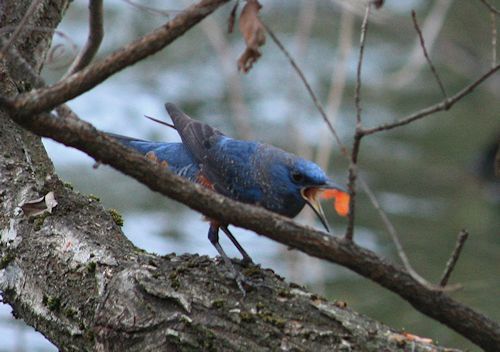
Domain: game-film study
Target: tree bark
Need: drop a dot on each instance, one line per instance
(75, 277)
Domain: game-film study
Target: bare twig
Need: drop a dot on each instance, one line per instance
(337, 84)
(297, 69)
(48, 98)
(232, 17)
(20, 28)
(431, 28)
(450, 265)
(394, 235)
(357, 94)
(493, 9)
(151, 10)
(443, 105)
(493, 40)
(353, 168)
(422, 44)
(94, 40)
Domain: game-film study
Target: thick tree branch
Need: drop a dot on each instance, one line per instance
(471, 324)
(46, 99)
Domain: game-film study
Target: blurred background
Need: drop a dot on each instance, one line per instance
(433, 177)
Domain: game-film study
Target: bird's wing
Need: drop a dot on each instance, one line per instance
(198, 137)
(225, 162)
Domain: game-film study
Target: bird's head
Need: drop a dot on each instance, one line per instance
(305, 182)
(314, 185)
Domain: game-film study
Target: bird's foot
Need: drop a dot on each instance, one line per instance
(244, 262)
(246, 280)
(246, 283)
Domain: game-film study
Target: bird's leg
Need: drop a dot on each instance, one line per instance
(246, 257)
(213, 236)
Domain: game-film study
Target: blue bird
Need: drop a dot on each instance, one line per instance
(247, 171)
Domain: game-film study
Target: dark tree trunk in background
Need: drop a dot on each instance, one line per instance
(74, 276)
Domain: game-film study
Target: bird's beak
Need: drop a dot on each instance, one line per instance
(329, 190)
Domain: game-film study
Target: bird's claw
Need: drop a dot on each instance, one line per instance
(245, 262)
(244, 282)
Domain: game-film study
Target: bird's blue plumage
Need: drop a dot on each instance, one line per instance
(247, 171)
(179, 160)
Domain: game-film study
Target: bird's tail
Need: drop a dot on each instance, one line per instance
(140, 145)
(197, 136)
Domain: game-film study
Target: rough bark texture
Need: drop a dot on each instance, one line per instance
(75, 277)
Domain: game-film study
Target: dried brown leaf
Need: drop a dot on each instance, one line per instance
(40, 205)
(253, 32)
(378, 3)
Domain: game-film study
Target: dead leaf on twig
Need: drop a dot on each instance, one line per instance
(253, 32)
(378, 3)
(39, 206)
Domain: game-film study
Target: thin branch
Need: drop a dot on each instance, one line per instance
(20, 28)
(431, 28)
(353, 167)
(493, 9)
(351, 186)
(443, 105)
(450, 265)
(357, 95)
(306, 19)
(337, 84)
(150, 10)
(493, 40)
(395, 237)
(96, 33)
(47, 99)
(297, 69)
(426, 54)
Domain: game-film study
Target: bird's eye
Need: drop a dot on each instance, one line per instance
(297, 177)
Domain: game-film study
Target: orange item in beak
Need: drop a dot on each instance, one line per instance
(341, 200)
